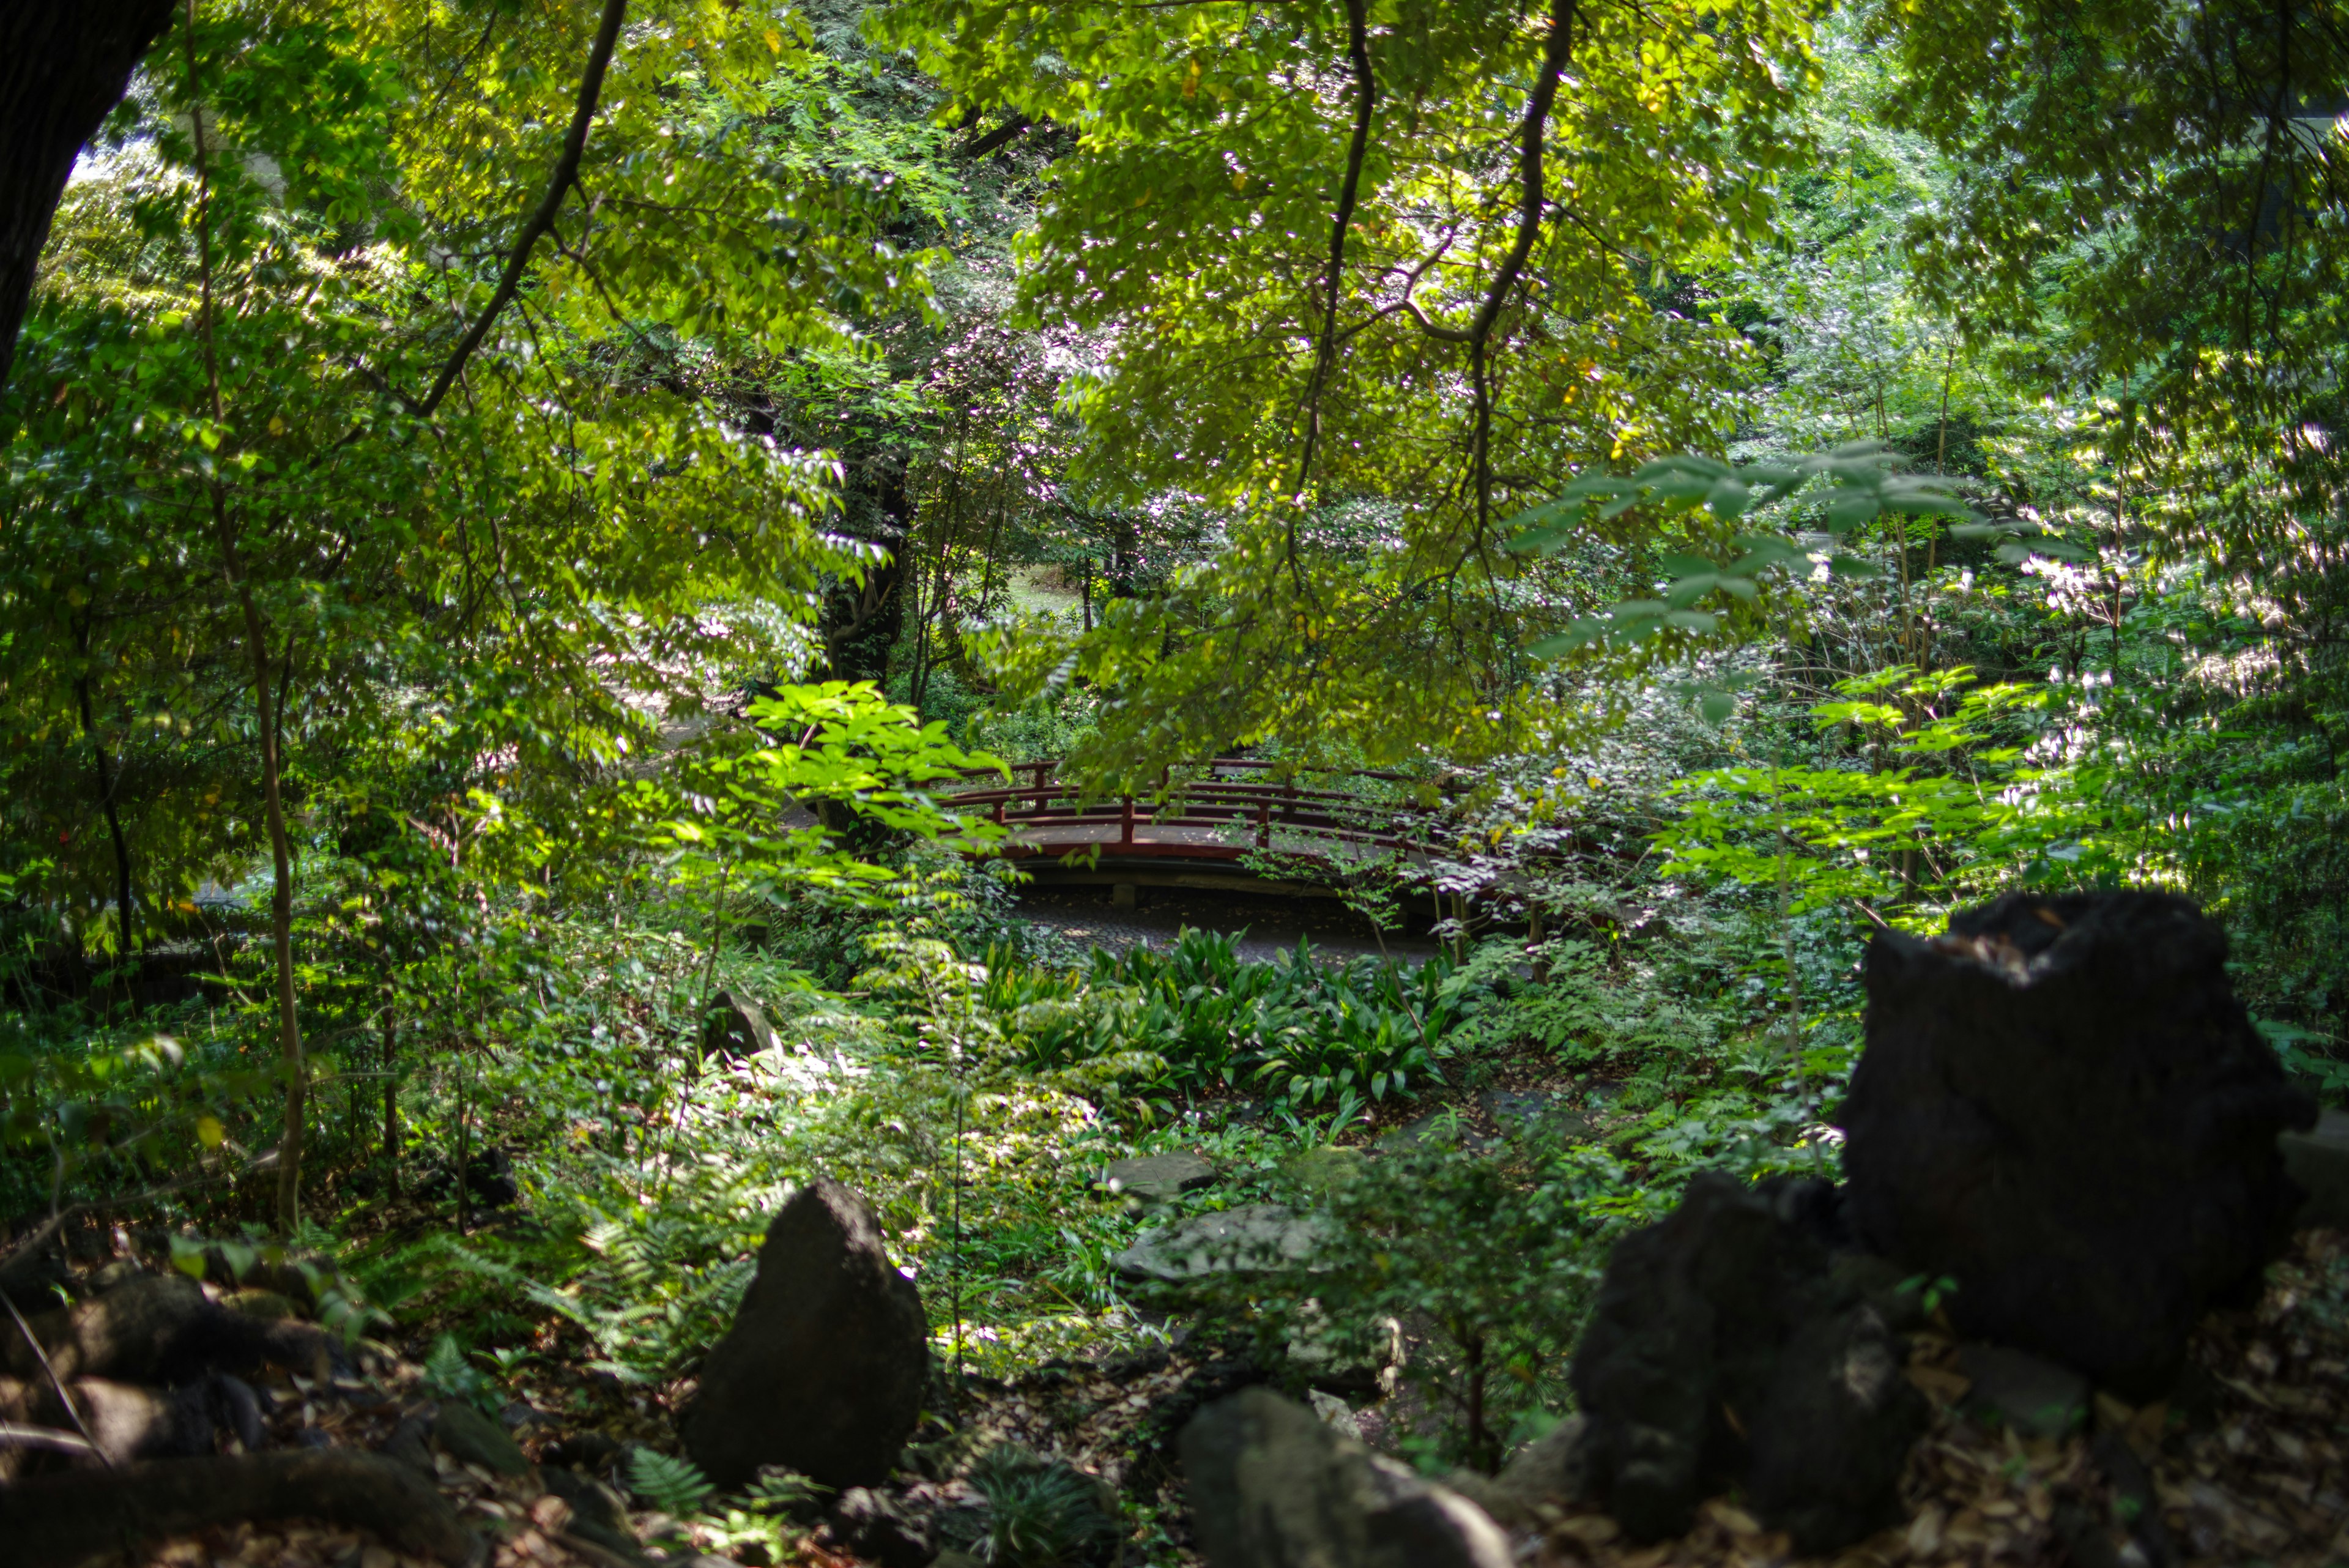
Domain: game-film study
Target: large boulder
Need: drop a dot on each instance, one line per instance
(823, 1370)
(1271, 1485)
(2063, 1107)
(1724, 1351)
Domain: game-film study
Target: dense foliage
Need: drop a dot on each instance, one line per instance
(516, 521)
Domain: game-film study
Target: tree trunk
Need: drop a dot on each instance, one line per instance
(391, 1091)
(256, 636)
(64, 64)
(125, 929)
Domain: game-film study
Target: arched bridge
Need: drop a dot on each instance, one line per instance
(1228, 826)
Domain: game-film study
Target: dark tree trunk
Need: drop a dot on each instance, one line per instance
(64, 64)
(126, 929)
(861, 627)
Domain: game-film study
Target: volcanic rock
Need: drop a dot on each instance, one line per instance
(1723, 1351)
(823, 1370)
(2063, 1108)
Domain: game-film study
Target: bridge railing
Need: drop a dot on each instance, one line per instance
(1037, 799)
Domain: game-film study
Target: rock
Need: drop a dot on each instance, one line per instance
(734, 1026)
(2037, 1398)
(1159, 1177)
(520, 1413)
(868, 1524)
(410, 1444)
(161, 1329)
(464, 1433)
(2063, 1107)
(1722, 1351)
(1898, 1296)
(1257, 1237)
(1271, 1486)
(241, 1266)
(590, 1453)
(1322, 1170)
(1335, 1413)
(267, 1306)
(2319, 1160)
(1437, 1129)
(597, 1511)
(1551, 1471)
(824, 1367)
(1521, 1114)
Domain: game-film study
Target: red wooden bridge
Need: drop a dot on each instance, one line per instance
(1203, 829)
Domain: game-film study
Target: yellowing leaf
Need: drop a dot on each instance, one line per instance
(209, 1131)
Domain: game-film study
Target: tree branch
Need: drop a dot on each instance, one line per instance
(566, 173)
(1558, 50)
(1366, 94)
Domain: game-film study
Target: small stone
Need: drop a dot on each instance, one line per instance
(1437, 1129)
(1336, 1413)
(1256, 1237)
(1524, 1114)
(466, 1435)
(1159, 1177)
(2319, 1160)
(2034, 1396)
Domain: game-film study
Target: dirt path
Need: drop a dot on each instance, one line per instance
(1087, 915)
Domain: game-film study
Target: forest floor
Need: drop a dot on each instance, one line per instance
(2244, 1465)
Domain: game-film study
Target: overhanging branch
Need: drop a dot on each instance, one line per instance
(566, 173)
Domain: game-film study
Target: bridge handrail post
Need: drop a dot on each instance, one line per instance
(1125, 819)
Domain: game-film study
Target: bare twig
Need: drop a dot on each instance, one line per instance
(16, 1436)
(55, 1381)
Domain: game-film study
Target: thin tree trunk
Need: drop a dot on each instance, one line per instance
(126, 929)
(391, 1090)
(256, 636)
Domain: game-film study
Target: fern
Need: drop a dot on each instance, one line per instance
(448, 1374)
(674, 1485)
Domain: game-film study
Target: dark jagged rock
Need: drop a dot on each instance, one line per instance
(823, 1370)
(1723, 1351)
(2064, 1108)
(1270, 1485)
